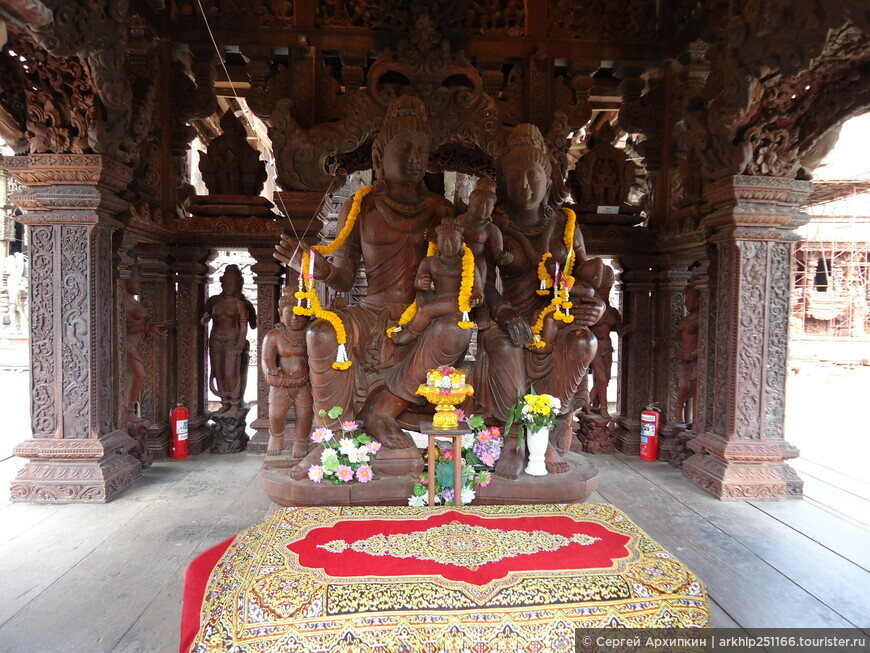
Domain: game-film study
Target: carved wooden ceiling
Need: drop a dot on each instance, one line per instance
(704, 89)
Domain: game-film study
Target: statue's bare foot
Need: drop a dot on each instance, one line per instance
(275, 446)
(554, 462)
(300, 448)
(404, 336)
(300, 469)
(604, 413)
(510, 462)
(386, 431)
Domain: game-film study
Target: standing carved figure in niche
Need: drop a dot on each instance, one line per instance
(231, 166)
(388, 235)
(231, 314)
(602, 364)
(687, 356)
(138, 326)
(438, 283)
(547, 304)
(284, 360)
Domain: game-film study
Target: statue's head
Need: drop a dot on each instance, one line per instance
(449, 234)
(285, 310)
(231, 280)
(400, 153)
(133, 284)
(525, 170)
(482, 199)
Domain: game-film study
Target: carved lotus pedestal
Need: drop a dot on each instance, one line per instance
(597, 434)
(574, 486)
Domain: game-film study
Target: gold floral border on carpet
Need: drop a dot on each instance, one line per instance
(259, 598)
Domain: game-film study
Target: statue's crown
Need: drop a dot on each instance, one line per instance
(526, 135)
(450, 224)
(484, 185)
(404, 106)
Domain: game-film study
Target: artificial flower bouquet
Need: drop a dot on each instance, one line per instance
(480, 451)
(346, 456)
(533, 412)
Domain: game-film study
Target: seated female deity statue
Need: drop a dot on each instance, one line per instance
(231, 314)
(543, 312)
(385, 228)
(438, 283)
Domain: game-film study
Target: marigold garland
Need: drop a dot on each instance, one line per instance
(465, 287)
(544, 276)
(308, 293)
(560, 305)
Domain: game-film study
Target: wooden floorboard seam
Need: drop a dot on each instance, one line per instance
(808, 591)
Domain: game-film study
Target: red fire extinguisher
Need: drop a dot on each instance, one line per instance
(178, 422)
(649, 433)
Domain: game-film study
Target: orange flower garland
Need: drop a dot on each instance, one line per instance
(544, 276)
(465, 287)
(409, 313)
(560, 305)
(308, 292)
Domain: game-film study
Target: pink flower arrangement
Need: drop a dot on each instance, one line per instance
(345, 457)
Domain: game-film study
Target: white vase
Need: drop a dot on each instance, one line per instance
(536, 442)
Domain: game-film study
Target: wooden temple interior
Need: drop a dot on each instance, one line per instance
(686, 132)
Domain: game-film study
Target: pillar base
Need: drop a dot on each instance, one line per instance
(198, 435)
(743, 481)
(260, 440)
(599, 435)
(75, 471)
(628, 436)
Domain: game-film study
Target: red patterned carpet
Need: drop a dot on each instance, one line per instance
(414, 579)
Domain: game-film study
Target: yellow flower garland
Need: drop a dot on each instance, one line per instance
(308, 292)
(544, 276)
(560, 304)
(465, 287)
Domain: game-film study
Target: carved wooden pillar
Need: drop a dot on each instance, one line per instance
(190, 269)
(77, 453)
(752, 224)
(670, 293)
(705, 283)
(158, 298)
(268, 277)
(635, 349)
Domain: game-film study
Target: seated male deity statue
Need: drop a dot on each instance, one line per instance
(384, 227)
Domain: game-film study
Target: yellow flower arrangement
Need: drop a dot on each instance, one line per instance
(308, 293)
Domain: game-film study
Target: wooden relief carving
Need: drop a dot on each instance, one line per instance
(604, 175)
(778, 307)
(231, 166)
(42, 332)
(749, 333)
(475, 16)
(76, 324)
(101, 351)
(604, 20)
(59, 99)
(726, 343)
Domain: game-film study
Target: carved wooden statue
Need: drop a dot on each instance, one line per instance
(231, 315)
(438, 282)
(545, 246)
(284, 359)
(687, 357)
(604, 175)
(388, 235)
(137, 326)
(231, 166)
(602, 364)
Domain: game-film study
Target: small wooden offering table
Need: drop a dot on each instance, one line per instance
(456, 435)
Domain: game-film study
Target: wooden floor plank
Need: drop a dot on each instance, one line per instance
(858, 487)
(836, 499)
(158, 627)
(755, 594)
(719, 618)
(827, 527)
(821, 572)
(121, 577)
